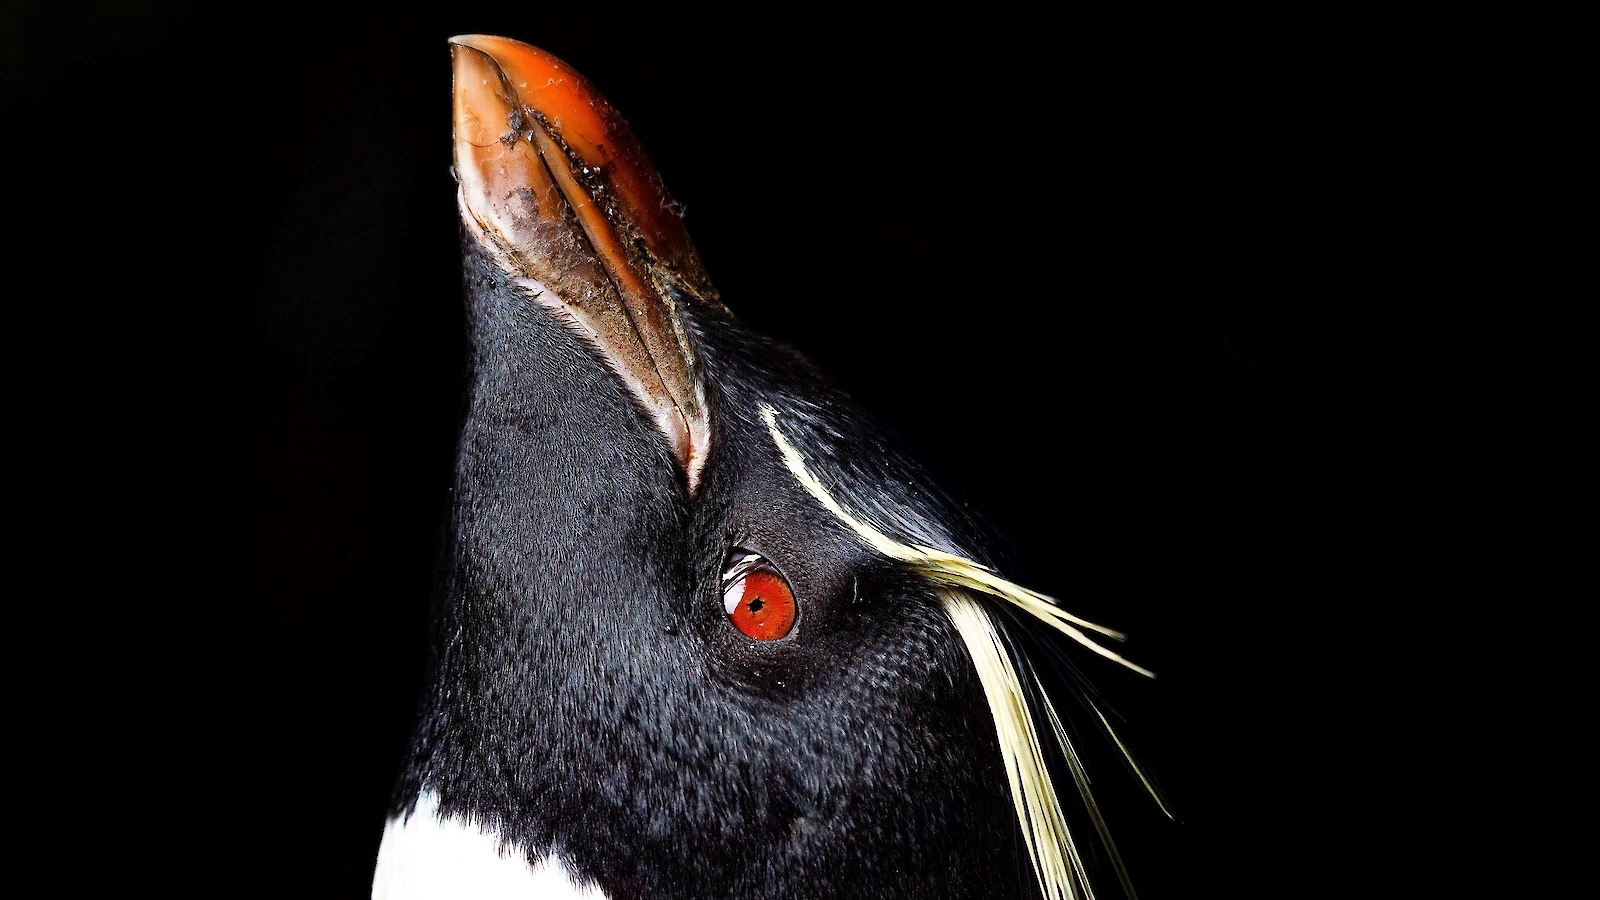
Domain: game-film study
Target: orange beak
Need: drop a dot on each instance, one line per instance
(556, 188)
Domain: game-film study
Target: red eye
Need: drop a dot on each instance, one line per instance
(759, 602)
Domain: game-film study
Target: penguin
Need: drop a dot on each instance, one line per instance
(703, 627)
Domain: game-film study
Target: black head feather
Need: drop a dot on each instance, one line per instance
(587, 694)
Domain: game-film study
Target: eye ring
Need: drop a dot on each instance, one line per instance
(759, 601)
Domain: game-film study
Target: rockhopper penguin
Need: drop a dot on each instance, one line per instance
(702, 630)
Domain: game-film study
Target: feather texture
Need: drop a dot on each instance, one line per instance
(1052, 848)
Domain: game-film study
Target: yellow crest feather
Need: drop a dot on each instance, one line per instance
(1051, 847)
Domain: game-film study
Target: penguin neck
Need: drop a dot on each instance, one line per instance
(431, 855)
(564, 570)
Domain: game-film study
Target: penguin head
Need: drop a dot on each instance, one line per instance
(703, 626)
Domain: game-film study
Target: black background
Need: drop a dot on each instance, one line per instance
(1122, 284)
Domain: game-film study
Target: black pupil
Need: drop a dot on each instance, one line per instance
(756, 604)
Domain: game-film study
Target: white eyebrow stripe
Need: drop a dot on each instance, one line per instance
(947, 568)
(1053, 851)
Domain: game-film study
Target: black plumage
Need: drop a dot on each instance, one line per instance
(588, 693)
(587, 697)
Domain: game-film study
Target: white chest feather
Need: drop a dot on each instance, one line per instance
(427, 857)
